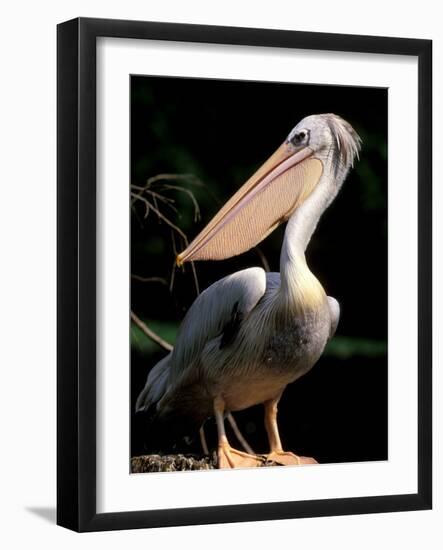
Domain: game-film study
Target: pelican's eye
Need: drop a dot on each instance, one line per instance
(300, 138)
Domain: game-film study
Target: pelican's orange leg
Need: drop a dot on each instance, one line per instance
(227, 456)
(277, 454)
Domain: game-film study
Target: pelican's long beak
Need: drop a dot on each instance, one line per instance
(267, 199)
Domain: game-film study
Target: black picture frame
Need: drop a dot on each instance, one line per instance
(77, 248)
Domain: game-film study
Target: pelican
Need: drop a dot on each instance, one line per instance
(250, 334)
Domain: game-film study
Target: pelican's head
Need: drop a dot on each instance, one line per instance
(331, 139)
(319, 145)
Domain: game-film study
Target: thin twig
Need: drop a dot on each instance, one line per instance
(161, 216)
(150, 333)
(149, 279)
(194, 273)
(177, 177)
(193, 180)
(147, 204)
(263, 259)
(190, 178)
(155, 196)
(190, 195)
(155, 208)
(134, 210)
(174, 250)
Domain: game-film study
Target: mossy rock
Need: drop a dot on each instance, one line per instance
(172, 463)
(179, 463)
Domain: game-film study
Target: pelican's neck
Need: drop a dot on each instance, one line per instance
(299, 286)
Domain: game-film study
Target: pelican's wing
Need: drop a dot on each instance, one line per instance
(215, 312)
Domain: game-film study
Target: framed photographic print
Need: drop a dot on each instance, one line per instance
(244, 274)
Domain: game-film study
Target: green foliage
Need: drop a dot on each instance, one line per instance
(144, 345)
(343, 347)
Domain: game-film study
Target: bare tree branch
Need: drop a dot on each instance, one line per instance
(149, 279)
(150, 333)
(190, 195)
(263, 259)
(154, 208)
(194, 273)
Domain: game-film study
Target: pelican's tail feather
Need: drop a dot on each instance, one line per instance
(155, 387)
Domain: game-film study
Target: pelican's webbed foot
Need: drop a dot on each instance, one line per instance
(286, 458)
(228, 457)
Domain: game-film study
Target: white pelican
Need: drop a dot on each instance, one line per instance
(250, 334)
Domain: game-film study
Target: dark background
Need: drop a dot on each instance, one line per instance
(219, 133)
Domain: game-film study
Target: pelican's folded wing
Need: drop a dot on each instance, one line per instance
(212, 312)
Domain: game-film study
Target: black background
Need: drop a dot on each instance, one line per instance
(221, 131)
